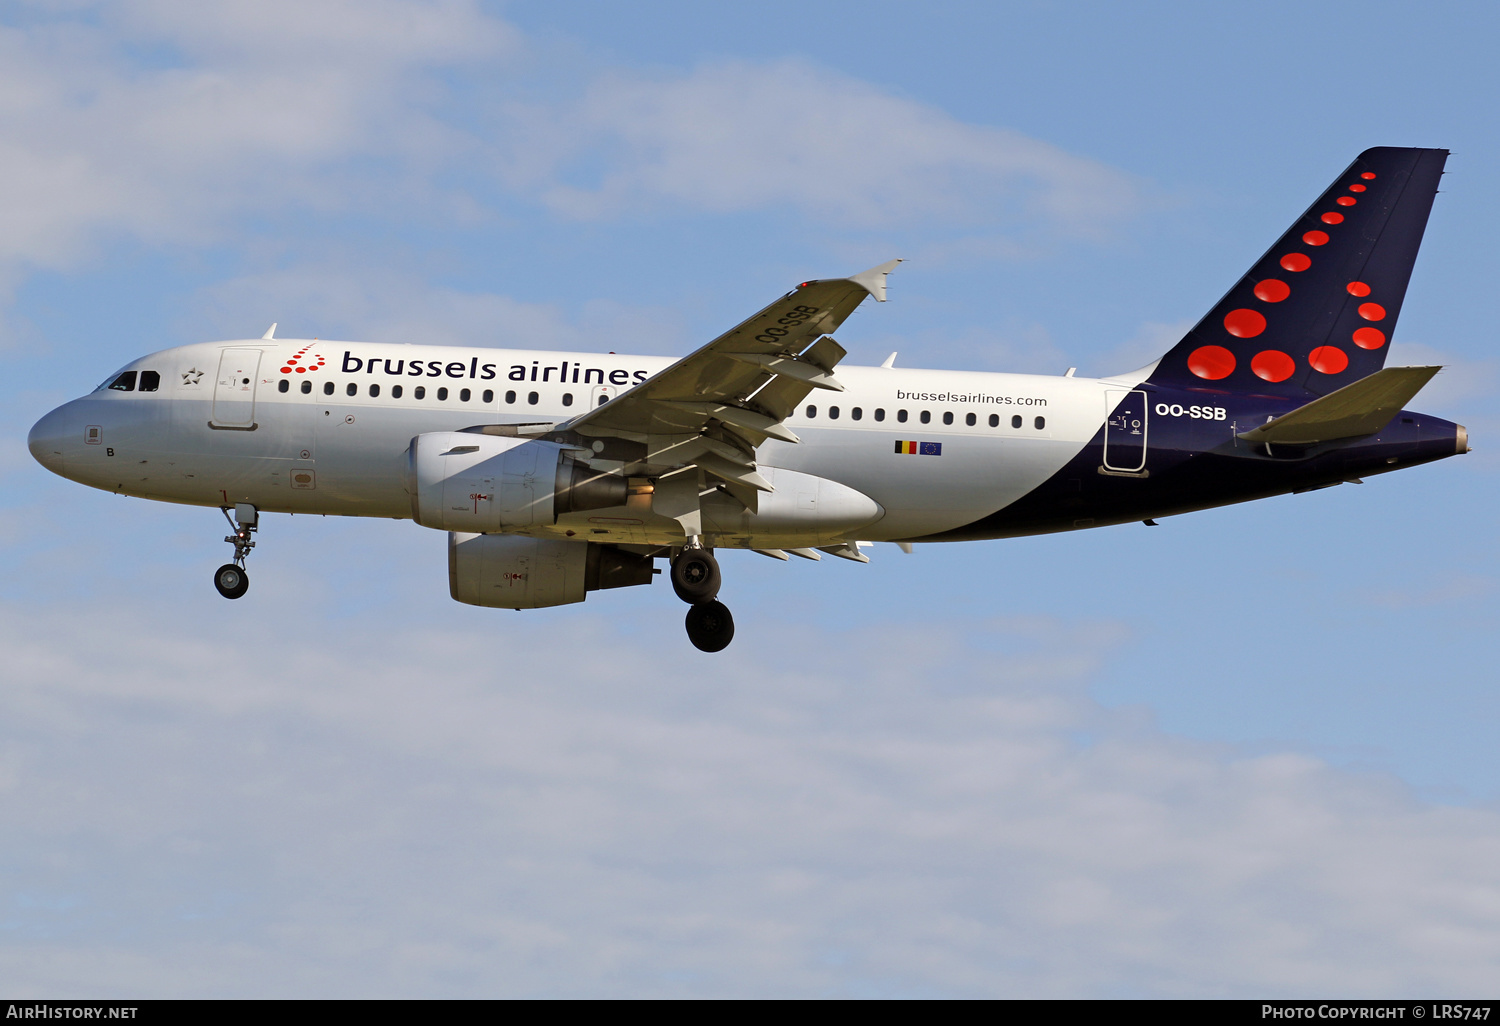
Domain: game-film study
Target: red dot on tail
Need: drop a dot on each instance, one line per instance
(1333, 217)
(1273, 365)
(1316, 238)
(286, 370)
(1272, 291)
(1211, 362)
(1356, 187)
(301, 370)
(1346, 201)
(1368, 175)
(1328, 359)
(1369, 338)
(1296, 261)
(1358, 288)
(1372, 311)
(1244, 323)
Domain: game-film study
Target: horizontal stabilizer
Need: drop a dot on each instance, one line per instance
(1362, 408)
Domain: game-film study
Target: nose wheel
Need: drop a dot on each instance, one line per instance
(696, 580)
(231, 579)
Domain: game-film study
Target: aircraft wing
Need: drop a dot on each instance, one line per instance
(712, 409)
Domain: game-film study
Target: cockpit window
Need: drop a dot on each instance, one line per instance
(150, 381)
(124, 383)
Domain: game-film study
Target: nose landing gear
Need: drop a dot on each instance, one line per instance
(231, 579)
(696, 580)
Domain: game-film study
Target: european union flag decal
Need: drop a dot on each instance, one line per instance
(919, 448)
(932, 449)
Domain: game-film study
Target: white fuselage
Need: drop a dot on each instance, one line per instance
(219, 430)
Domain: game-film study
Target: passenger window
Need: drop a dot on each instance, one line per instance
(151, 381)
(969, 420)
(532, 398)
(125, 382)
(442, 394)
(420, 392)
(351, 389)
(901, 416)
(567, 398)
(602, 399)
(374, 391)
(463, 395)
(833, 413)
(879, 414)
(283, 385)
(926, 417)
(948, 418)
(306, 387)
(510, 397)
(328, 388)
(1041, 422)
(1015, 421)
(395, 391)
(489, 396)
(994, 420)
(811, 411)
(856, 413)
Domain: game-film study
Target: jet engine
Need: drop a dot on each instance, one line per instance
(460, 481)
(515, 572)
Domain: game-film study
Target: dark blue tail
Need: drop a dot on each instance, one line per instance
(1318, 311)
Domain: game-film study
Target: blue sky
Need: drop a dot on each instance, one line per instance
(1248, 752)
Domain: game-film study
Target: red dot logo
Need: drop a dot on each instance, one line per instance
(1369, 338)
(286, 370)
(1244, 323)
(1372, 311)
(1356, 187)
(1272, 291)
(1316, 238)
(1211, 362)
(1328, 360)
(1296, 262)
(1273, 365)
(1368, 175)
(1358, 288)
(1333, 217)
(1346, 201)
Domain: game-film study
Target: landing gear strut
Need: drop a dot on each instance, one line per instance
(231, 579)
(696, 579)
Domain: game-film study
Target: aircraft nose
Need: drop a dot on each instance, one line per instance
(49, 439)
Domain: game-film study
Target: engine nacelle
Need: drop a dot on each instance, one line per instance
(461, 481)
(515, 572)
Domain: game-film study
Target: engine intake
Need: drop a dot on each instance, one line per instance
(463, 481)
(515, 572)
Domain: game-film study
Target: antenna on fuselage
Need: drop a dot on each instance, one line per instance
(271, 331)
(890, 361)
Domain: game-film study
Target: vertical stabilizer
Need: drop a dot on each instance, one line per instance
(1318, 311)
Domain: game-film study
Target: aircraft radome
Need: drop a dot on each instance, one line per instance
(557, 474)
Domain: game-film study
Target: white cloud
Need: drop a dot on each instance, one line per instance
(739, 136)
(554, 804)
(238, 108)
(353, 300)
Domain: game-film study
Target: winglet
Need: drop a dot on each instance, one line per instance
(873, 280)
(271, 331)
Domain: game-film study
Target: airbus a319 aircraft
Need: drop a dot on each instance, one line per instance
(557, 474)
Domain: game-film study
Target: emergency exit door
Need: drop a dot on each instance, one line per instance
(1125, 431)
(234, 389)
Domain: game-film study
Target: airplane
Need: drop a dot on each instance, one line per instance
(557, 474)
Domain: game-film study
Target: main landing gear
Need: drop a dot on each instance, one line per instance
(696, 580)
(231, 579)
